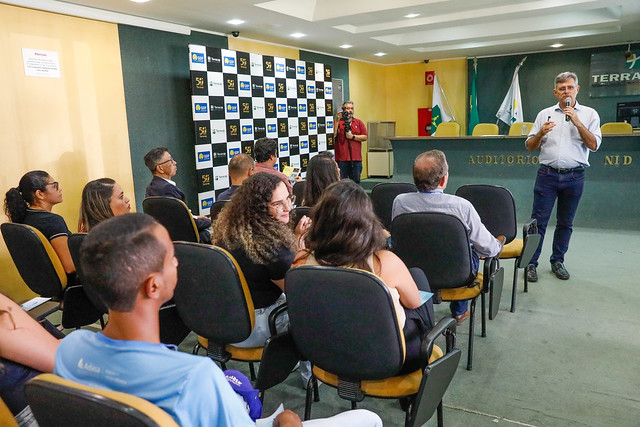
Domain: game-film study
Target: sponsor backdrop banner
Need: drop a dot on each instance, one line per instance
(614, 74)
(238, 97)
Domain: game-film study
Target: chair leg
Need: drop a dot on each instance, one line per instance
(526, 282)
(515, 286)
(484, 315)
(353, 405)
(316, 394)
(440, 415)
(307, 402)
(196, 348)
(252, 369)
(471, 322)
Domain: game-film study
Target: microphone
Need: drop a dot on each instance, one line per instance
(567, 103)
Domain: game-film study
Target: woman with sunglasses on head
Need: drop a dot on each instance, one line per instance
(101, 199)
(254, 228)
(31, 202)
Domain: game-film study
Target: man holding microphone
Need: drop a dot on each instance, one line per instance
(349, 134)
(565, 133)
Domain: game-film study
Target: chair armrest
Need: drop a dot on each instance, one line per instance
(530, 227)
(445, 326)
(273, 316)
(490, 266)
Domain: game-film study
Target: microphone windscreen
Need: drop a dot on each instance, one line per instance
(567, 102)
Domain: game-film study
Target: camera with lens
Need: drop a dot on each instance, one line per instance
(346, 118)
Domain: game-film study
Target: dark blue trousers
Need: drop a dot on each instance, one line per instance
(566, 186)
(350, 170)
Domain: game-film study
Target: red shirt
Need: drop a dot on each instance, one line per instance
(349, 150)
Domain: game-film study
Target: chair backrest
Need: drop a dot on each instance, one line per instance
(298, 190)
(383, 195)
(343, 320)
(438, 244)
(75, 241)
(496, 207)
(212, 296)
(216, 208)
(35, 259)
(56, 401)
(616, 127)
(174, 215)
(518, 128)
(447, 129)
(485, 129)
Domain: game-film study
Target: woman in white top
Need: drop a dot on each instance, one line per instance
(346, 232)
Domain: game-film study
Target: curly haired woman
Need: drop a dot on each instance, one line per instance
(253, 227)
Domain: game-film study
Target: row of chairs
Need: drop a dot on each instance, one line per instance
(520, 128)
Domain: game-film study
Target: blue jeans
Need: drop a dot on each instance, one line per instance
(567, 188)
(460, 307)
(350, 170)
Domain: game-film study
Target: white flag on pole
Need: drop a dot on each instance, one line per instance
(440, 110)
(511, 108)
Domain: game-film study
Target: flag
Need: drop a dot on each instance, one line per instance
(439, 112)
(511, 108)
(633, 60)
(474, 119)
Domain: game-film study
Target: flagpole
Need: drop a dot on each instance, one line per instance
(447, 102)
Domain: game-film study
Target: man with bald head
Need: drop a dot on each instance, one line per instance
(431, 175)
(241, 167)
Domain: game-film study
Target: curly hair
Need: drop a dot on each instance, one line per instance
(344, 231)
(95, 205)
(321, 172)
(19, 198)
(245, 222)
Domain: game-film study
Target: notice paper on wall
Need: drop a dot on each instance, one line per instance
(40, 63)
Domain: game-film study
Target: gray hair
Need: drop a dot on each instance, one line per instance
(344, 104)
(563, 77)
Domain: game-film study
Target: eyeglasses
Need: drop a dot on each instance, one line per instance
(566, 88)
(55, 185)
(166, 161)
(281, 204)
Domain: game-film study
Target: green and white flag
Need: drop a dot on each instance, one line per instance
(474, 119)
(511, 108)
(440, 111)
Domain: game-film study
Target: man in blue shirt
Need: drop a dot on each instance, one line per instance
(565, 133)
(129, 261)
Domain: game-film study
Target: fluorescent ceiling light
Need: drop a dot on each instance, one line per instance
(380, 54)
(140, 1)
(556, 45)
(234, 21)
(346, 46)
(412, 15)
(297, 35)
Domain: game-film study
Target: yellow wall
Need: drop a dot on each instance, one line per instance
(262, 48)
(74, 127)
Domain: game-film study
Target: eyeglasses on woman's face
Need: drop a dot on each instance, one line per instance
(280, 205)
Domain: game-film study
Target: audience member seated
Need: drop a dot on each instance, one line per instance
(163, 168)
(431, 175)
(254, 228)
(322, 171)
(101, 199)
(26, 349)
(31, 203)
(346, 233)
(265, 152)
(129, 261)
(241, 167)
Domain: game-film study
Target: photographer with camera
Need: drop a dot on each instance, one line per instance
(349, 133)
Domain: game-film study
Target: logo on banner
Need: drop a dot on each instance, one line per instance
(279, 68)
(229, 61)
(206, 203)
(232, 152)
(232, 107)
(197, 58)
(300, 69)
(201, 107)
(245, 85)
(247, 129)
(271, 128)
(204, 156)
(282, 108)
(310, 90)
(312, 125)
(327, 90)
(269, 87)
(302, 108)
(284, 146)
(304, 144)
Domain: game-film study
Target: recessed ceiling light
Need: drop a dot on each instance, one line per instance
(556, 45)
(346, 46)
(380, 54)
(297, 35)
(235, 22)
(140, 1)
(412, 15)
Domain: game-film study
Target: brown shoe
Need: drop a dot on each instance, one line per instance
(464, 316)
